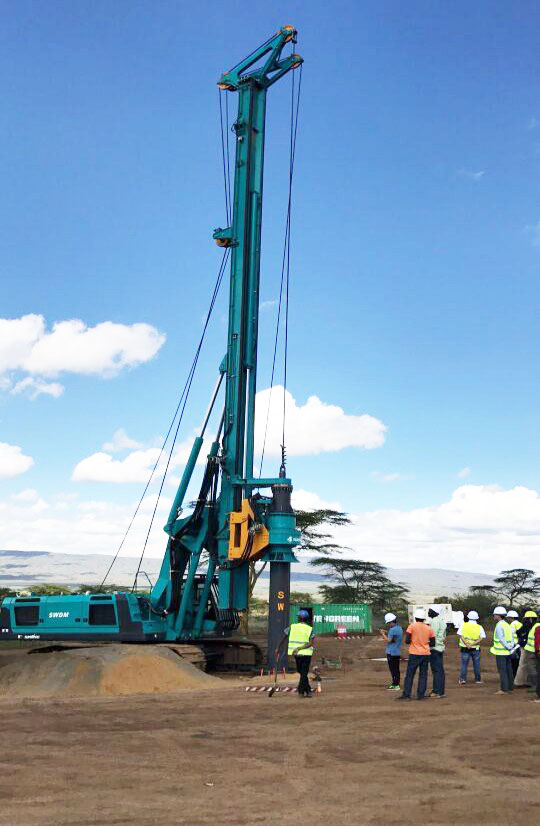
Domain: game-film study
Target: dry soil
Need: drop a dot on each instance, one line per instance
(352, 755)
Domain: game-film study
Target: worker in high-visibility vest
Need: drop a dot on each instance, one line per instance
(470, 635)
(300, 646)
(537, 653)
(503, 646)
(514, 620)
(530, 620)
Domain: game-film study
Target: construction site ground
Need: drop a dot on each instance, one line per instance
(351, 755)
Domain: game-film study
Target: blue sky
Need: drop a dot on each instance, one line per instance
(415, 254)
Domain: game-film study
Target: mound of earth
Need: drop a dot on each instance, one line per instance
(103, 671)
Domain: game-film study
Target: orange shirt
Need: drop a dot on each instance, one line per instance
(420, 636)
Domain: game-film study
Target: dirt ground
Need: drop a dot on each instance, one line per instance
(352, 755)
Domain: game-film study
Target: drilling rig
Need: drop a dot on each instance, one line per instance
(237, 519)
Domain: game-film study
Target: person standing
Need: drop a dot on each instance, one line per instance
(537, 653)
(526, 673)
(300, 646)
(529, 651)
(513, 617)
(393, 638)
(470, 635)
(420, 638)
(436, 657)
(504, 645)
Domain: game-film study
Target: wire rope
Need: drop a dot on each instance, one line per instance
(183, 399)
(223, 158)
(285, 271)
(187, 388)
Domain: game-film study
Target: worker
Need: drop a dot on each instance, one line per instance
(537, 653)
(516, 624)
(393, 638)
(420, 638)
(526, 673)
(504, 645)
(470, 635)
(300, 646)
(436, 657)
(530, 622)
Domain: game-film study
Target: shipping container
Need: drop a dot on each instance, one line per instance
(327, 618)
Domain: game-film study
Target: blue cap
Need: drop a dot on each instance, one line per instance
(303, 614)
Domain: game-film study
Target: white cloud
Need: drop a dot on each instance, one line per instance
(135, 467)
(471, 175)
(312, 428)
(26, 346)
(121, 441)
(464, 472)
(390, 477)
(534, 231)
(306, 500)
(480, 528)
(267, 305)
(93, 527)
(27, 495)
(37, 387)
(13, 462)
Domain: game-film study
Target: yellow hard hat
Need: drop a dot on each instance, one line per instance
(530, 614)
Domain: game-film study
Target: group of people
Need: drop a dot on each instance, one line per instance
(515, 646)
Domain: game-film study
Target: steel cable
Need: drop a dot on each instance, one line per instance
(182, 400)
(285, 271)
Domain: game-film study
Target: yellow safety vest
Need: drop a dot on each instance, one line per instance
(516, 624)
(530, 639)
(471, 631)
(299, 634)
(498, 648)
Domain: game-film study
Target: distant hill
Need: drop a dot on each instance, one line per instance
(22, 569)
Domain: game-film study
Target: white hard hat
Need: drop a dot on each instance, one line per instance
(512, 613)
(473, 615)
(419, 613)
(389, 617)
(500, 611)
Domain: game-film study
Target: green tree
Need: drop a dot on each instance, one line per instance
(95, 589)
(301, 597)
(47, 589)
(518, 585)
(358, 581)
(481, 600)
(6, 592)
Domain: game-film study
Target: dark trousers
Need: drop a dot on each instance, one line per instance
(416, 661)
(515, 661)
(538, 676)
(393, 665)
(506, 674)
(436, 660)
(302, 666)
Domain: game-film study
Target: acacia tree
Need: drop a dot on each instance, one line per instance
(518, 585)
(356, 580)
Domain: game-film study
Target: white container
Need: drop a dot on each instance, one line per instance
(444, 611)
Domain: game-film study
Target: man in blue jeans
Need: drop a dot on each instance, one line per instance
(420, 638)
(470, 636)
(436, 658)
